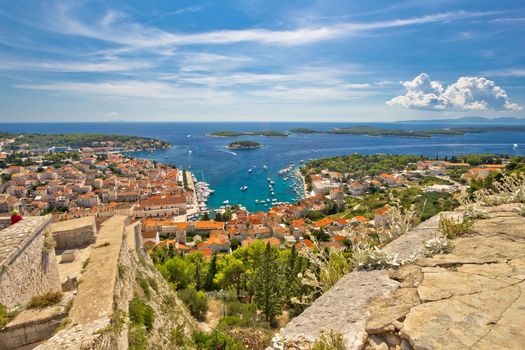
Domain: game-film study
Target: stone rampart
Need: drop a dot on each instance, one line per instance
(28, 265)
(74, 233)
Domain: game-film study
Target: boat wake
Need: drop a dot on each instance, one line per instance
(230, 152)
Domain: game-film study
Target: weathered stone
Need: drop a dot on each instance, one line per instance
(28, 267)
(458, 322)
(344, 308)
(392, 339)
(409, 276)
(384, 312)
(405, 345)
(377, 343)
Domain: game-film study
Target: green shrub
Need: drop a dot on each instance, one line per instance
(137, 338)
(141, 313)
(207, 341)
(196, 302)
(330, 341)
(45, 300)
(453, 228)
(153, 284)
(4, 316)
(143, 283)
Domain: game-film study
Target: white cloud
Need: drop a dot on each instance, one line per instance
(466, 94)
(88, 67)
(511, 72)
(113, 114)
(132, 89)
(116, 28)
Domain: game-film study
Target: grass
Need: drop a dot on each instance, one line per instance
(452, 228)
(329, 341)
(4, 316)
(45, 300)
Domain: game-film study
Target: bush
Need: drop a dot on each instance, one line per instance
(143, 283)
(437, 245)
(196, 302)
(141, 313)
(206, 341)
(177, 336)
(4, 316)
(45, 300)
(330, 341)
(453, 228)
(137, 338)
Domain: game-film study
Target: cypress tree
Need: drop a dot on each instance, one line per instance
(267, 285)
(208, 283)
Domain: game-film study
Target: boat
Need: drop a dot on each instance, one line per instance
(226, 202)
(257, 201)
(244, 188)
(272, 182)
(269, 179)
(265, 167)
(250, 170)
(188, 135)
(515, 145)
(190, 151)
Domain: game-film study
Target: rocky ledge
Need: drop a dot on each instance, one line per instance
(472, 298)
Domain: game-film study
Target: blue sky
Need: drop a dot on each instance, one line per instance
(252, 60)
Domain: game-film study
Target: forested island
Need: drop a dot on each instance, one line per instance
(266, 133)
(27, 142)
(377, 131)
(245, 144)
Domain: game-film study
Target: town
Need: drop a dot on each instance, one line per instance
(82, 198)
(103, 181)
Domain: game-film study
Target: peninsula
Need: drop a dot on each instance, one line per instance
(244, 145)
(66, 142)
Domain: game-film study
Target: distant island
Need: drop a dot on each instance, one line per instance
(267, 133)
(245, 144)
(469, 120)
(377, 131)
(28, 142)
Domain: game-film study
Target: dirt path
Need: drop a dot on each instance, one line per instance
(215, 312)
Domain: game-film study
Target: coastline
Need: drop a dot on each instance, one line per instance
(303, 181)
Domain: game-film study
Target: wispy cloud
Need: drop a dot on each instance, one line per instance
(133, 89)
(88, 67)
(510, 72)
(116, 28)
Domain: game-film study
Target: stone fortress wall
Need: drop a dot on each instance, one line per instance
(74, 233)
(28, 265)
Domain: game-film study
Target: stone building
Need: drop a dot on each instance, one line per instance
(28, 265)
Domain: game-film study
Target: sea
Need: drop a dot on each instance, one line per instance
(228, 170)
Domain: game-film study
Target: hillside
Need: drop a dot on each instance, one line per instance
(464, 292)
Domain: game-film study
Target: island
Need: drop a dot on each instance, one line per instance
(70, 142)
(245, 144)
(377, 131)
(266, 133)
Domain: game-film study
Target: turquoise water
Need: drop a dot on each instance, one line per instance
(227, 171)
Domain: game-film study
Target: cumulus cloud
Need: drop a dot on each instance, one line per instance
(466, 94)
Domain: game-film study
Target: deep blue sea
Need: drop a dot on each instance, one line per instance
(227, 171)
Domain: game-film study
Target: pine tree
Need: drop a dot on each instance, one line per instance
(208, 283)
(267, 285)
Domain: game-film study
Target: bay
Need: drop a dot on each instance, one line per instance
(227, 170)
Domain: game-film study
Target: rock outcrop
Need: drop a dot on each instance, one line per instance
(472, 298)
